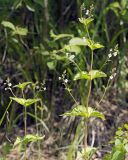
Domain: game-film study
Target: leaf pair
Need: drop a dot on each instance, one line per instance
(24, 102)
(89, 75)
(82, 111)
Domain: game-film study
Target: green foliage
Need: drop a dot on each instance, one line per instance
(27, 139)
(25, 102)
(120, 145)
(82, 111)
(89, 75)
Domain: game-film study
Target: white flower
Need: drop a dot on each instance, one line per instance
(66, 80)
(111, 77)
(9, 84)
(115, 54)
(59, 78)
(44, 88)
(109, 55)
(87, 12)
(121, 22)
(111, 50)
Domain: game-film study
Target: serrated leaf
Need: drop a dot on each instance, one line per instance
(89, 75)
(22, 85)
(78, 41)
(8, 25)
(86, 21)
(24, 102)
(59, 36)
(82, 111)
(20, 31)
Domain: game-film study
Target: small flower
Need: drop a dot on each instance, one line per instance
(66, 80)
(59, 78)
(44, 88)
(111, 77)
(115, 54)
(109, 55)
(9, 84)
(87, 12)
(111, 50)
(121, 22)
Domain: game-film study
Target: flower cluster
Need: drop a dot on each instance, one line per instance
(63, 78)
(87, 12)
(40, 87)
(113, 52)
(8, 85)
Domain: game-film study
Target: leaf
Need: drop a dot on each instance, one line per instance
(24, 102)
(8, 24)
(20, 31)
(96, 74)
(22, 85)
(94, 45)
(126, 147)
(86, 21)
(59, 36)
(81, 110)
(28, 138)
(89, 76)
(30, 6)
(72, 48)
(78, 41)
(117, 156)
(51, 65)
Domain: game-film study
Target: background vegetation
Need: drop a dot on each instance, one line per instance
(32, 34)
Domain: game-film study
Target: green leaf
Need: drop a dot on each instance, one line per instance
(20, 31)
(89, 76)
(86, 21)
(8, 24)
(59, 36)
(30, 5)
(24, 102)
(126, 147)
(94, 45)
(72, 48)
(117, 156)
(81, 110)
(51, 65)
(78, 41)
(22, 85)
(28, 138)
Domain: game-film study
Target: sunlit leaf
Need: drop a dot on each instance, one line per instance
(86, 21)
(30, 6)
(24, 102)
(22, 85)
(8, 25)
(72, 48)
(90, 75)
(20, 31)
(51, 65)
(82, 111)
(94, 45)
(78, 41)
(28, 138)
(59, 36)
